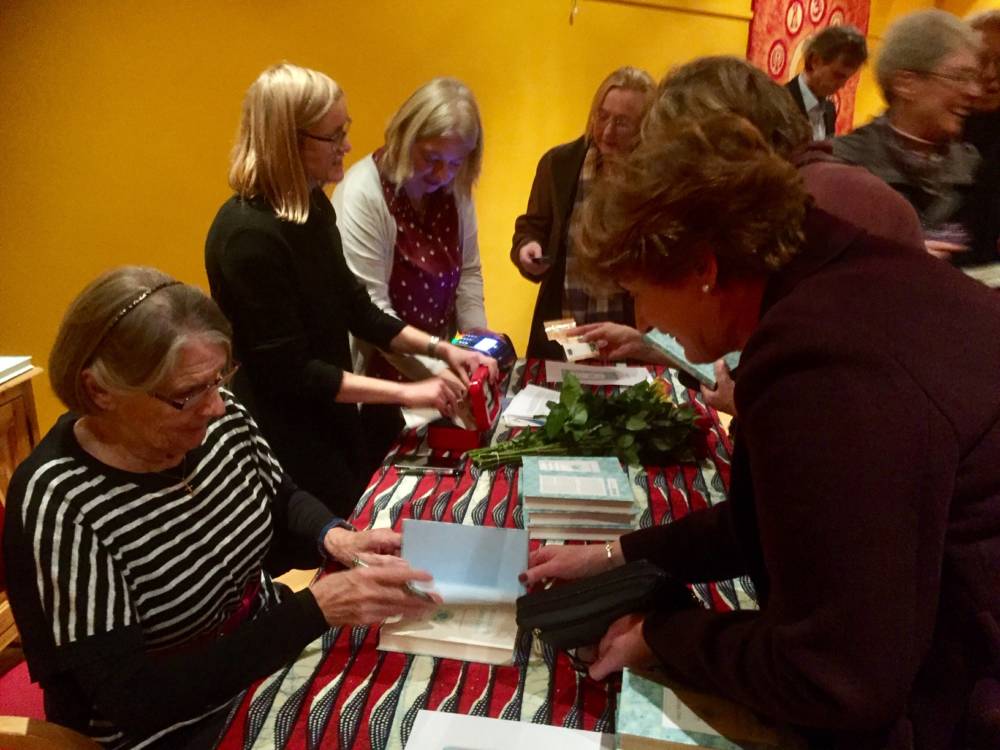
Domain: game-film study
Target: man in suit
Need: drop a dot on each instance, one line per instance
(832, 57)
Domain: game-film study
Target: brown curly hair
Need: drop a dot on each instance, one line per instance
(690, 188)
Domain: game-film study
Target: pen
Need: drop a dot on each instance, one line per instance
(357, 562)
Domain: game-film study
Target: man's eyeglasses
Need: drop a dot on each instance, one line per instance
(194, 397)
(337, 139)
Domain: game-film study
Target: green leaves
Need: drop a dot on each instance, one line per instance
(638, 425)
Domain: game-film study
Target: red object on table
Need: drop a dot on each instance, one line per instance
(343, 693)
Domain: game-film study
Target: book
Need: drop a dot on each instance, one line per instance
(579, 532)
(437, 730)
(11, 367)
(655, 713)
(470, 632)
(560, 516)
(674, 352)
(575, 483)
(470, 564)
(475, 570)
(582, 498)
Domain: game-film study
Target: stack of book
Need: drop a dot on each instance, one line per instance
(576, 498)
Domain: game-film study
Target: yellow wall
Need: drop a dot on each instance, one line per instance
(118, 117)
(965, 7)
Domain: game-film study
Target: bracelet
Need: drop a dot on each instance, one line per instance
(607, 548)
(432, 343)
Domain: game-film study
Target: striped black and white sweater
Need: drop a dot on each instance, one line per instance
(119, 582)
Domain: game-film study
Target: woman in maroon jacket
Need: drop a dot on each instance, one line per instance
(865, 492)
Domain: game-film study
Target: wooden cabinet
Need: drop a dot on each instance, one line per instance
(18, 435)
(18, 424)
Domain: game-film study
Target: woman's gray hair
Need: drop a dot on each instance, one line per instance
(127, 328)
(442, 107)
(919, 42)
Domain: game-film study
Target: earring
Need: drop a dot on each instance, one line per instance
(705, 288)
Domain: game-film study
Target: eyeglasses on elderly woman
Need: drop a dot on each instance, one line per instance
(197, 395)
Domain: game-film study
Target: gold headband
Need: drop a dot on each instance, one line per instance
(133, 303)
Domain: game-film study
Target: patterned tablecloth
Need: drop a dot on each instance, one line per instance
(343, 693)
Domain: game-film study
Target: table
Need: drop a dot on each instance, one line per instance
(343, 693)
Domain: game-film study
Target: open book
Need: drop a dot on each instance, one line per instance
(475, 570)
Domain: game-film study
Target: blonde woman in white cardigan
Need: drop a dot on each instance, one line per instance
(408, 223)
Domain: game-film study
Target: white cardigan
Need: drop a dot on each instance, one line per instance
(368, 232)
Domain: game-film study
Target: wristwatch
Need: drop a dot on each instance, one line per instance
(432, 343)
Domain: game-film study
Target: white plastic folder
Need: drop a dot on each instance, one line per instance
(470, 564)
(434, 730)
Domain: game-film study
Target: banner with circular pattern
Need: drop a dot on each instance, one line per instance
(778, 33)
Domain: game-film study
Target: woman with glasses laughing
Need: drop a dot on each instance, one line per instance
(928, 70)
(142, 532)
(276, 267)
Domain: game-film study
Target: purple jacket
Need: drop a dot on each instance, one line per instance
(864, 505)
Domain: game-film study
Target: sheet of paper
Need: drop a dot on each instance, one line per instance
(436, 730)
(596, 374)
(530, 405)
(469, 563)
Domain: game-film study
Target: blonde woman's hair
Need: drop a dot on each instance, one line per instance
(266, 162)
(707, 185)
(628, 79)
(443, 107)
(127, 328)
(920, 42)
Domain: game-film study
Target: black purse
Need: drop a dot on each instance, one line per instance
(579, 613)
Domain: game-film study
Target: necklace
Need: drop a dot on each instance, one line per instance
(182, 479)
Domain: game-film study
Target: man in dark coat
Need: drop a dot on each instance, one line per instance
(832, 57)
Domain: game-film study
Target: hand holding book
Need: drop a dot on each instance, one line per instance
(369, 594)
(571, 561)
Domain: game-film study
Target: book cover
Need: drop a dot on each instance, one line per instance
(655, 714)
(598, 480)
(470, 564)
(671, 348)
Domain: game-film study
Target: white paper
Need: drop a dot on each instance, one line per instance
(470, 564)
(596, 374)
(530, 405)
(435, 730)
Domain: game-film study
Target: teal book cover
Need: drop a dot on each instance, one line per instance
(704, 373)
(596, 478)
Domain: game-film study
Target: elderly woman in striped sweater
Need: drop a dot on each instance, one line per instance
(142, 531)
